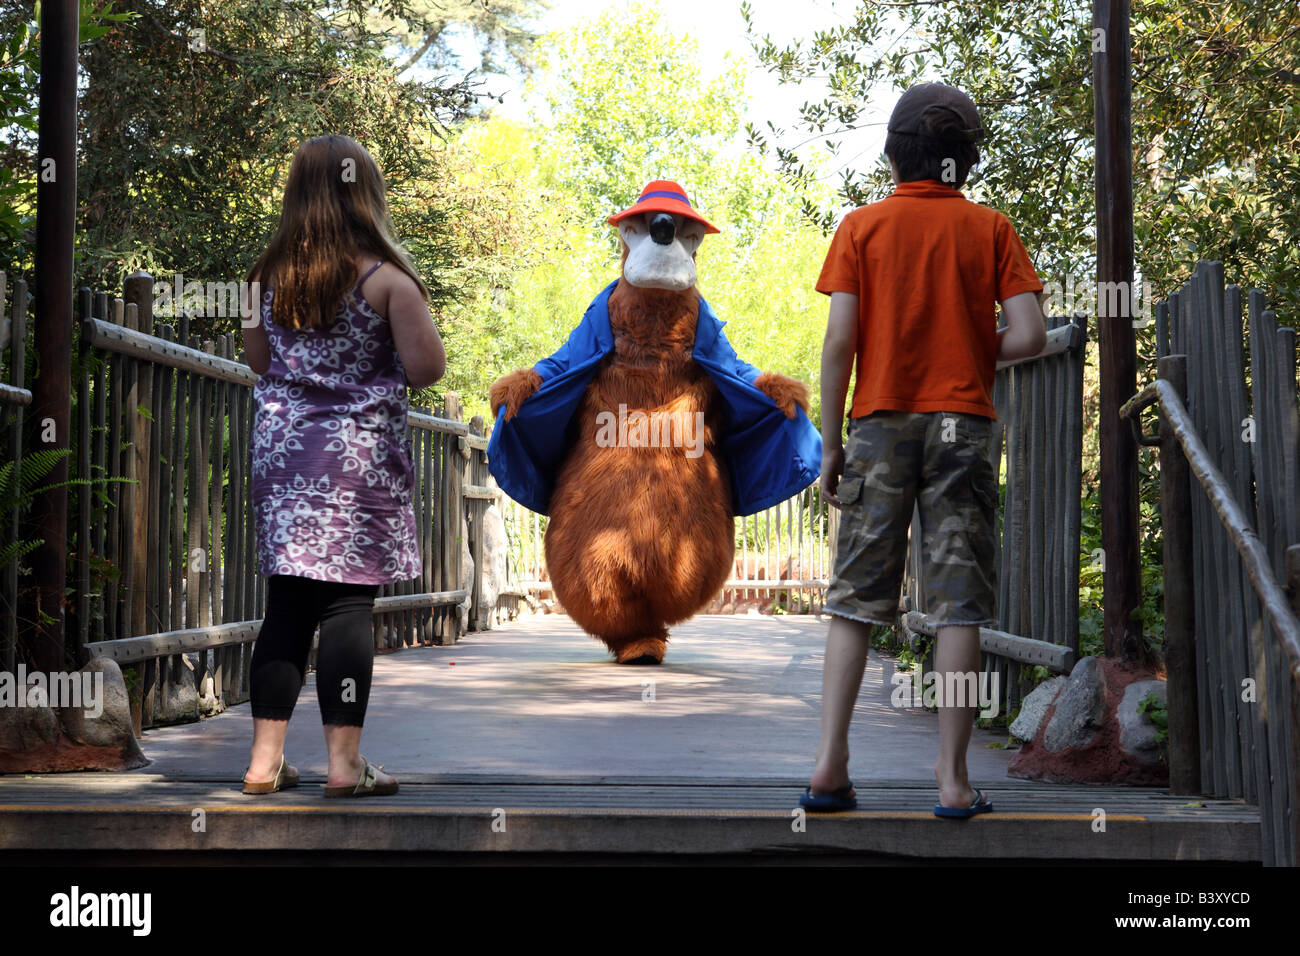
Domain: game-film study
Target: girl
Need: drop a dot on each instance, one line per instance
(344, 328)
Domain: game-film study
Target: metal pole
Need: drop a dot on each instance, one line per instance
(1112, 83)
(49, 421)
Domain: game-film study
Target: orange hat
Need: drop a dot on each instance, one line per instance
(663, 195)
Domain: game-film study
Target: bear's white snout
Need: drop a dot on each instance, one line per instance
(656, 257)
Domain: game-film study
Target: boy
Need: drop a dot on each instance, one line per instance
(913, 280)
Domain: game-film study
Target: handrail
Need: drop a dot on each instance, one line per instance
(141, 345)
(111, 337)
(13, 395)
(133, 650)
(1231, 516)
(1061, 339)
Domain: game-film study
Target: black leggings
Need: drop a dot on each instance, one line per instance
(345, 656)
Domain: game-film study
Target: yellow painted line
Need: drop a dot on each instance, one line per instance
(563, 811)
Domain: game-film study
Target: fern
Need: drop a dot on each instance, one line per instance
(18, 486)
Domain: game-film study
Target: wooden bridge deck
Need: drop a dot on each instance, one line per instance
(532, 744)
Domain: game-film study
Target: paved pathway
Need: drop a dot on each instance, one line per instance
(738, 696)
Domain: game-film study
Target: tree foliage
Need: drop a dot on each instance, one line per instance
(423, 30)
(1215, 122)
(623, 103)
(191, 112)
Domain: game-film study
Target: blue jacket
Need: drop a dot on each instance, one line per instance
(769, 457)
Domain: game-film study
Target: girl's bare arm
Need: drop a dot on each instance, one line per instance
(257, 350)
(418, 343)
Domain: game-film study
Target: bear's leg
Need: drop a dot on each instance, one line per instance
(647, 648)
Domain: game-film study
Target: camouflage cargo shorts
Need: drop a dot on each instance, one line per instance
(935, 459)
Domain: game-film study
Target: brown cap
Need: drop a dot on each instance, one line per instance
(920, 100)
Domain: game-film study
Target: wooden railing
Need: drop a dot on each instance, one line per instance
(782, 561)
(165, 563)
(1039, 403)
(1230, 514)
(13, 398)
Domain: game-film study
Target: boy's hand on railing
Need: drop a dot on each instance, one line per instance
(832, 468)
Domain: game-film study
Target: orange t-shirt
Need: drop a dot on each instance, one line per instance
(928, 267)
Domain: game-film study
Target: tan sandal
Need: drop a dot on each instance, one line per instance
(368, 784)
(285, 778)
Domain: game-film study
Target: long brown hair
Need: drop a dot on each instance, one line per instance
(334, 208)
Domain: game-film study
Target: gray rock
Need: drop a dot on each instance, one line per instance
(207, 703)
(1137, 734)
(493, 572)
(467, 575)
(28, 726)
(1034, 707)
(1078, 715)
(180, 700)
(111, 727)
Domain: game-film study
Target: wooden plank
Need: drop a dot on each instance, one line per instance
(114, 459)
(1230, 513)
(166, 450)
(1179, 645)
(207, 435)
(82, 633)
(1063, 339)
(137, 291)
(1288, 772)
(1025, 650)
(10, 395)
(179, 471)
(216, 493)
(1074, 480)
(100, 464)
(17, 378)
(130, 492)
(149, 348)
(662, 818)
(1238, 469)
(189, 640)
(233, 566)
(430, 547)
(193, 485)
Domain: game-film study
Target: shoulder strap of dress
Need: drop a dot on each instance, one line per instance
(369, 272)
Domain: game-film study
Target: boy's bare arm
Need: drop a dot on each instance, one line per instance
(1026, 330)
(839, 350)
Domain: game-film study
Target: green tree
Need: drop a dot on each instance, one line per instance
(423, 31)
(1215, 125)
(602, 132)
(20, 60)
(192, 110)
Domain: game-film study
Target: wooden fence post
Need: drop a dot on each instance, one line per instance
(1180, 618)
(453, 510)
(477, 476)
(1292, 755)
(12, 524)
(137, 290)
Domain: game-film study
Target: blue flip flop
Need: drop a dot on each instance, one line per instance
(979, 805)
(836, 801)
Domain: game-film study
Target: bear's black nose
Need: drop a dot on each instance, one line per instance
(663, 228)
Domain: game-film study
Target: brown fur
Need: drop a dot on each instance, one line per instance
(512, 390)
(642, 538)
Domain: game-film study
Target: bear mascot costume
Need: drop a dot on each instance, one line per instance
(643, 437)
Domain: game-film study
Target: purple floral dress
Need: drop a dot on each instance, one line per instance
(332, 476)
